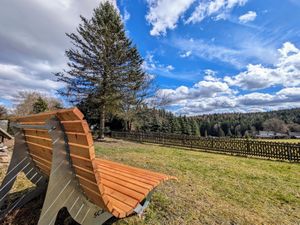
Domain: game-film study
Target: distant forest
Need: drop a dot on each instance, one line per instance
(219, 125)
(143, 118)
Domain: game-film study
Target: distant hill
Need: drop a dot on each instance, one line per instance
(240, 124)
(226, 124)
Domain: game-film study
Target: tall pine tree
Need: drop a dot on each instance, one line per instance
(105, 68)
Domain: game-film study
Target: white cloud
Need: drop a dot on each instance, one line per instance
(248, 17)
(237, 56)
(287, 49)
(221, 102)
(170, 67)
(208, 51)
(186, 54)
(126, 16)
(164, 14)
(290, 92)
(33, 41)
(210, 75)
(286, 72)
(151, 65)
(218, 8)
(246, 48)
(202, 89)
(16, 78)
(217, 95)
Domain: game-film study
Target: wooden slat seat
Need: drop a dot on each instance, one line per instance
(125, 185)
(115, 187)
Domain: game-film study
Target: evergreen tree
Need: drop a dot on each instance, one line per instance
(247, 135)
(40, 106)
(156, 125)
(221, 132)
(216, 130)
(105, 69)
(172, 124)
(195, 127)
(238, 131)
(229, 134)
(175, 126)
(185, 125)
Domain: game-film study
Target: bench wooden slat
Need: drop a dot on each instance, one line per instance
(75, 149)
(39, 140)
(41, 160)
(78, 126)
(44, 153)
(119, 204)
(35, 132)
(87, 183)
(126, 175)
(130, 169)
(128, 180)
(153, 180)
(33, 123)
(82, 162)
(36, 148)
(126, 199)
(93, 196)
(44, 168)
(80, 138)
(131, 185)
(82, 151)
(124, 190)
(62, 114)
(85, 173)
(73, 114)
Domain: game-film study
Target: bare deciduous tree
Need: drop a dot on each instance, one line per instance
(25, 100)
(3, 111)
(276, 125)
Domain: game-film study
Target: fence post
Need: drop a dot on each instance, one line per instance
(248, 147)
(289, 153)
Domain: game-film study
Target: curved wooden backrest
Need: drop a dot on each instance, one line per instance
(80, 143)
(114, 187)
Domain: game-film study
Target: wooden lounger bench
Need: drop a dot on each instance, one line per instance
(55, 151)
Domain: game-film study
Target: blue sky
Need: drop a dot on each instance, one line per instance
(205, 56)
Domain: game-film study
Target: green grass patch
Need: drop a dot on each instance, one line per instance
(212, 188)
(292, 141)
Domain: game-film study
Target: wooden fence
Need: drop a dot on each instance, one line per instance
(242, 147)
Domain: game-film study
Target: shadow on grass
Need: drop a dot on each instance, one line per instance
(29, 213)
(106, 141)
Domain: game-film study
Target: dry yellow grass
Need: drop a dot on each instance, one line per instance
(294, 141)
(212, 188)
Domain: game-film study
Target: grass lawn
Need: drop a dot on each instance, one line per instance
(212, 188)
(294, 141)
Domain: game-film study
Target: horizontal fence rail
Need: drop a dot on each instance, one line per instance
(243, 147)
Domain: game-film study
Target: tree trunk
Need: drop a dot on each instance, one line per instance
(102, 122)
(126, 125)
(129, 126)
